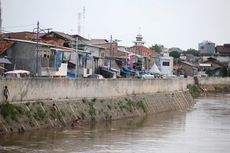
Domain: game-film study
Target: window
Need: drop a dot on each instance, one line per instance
(201, 47)
(165, 64)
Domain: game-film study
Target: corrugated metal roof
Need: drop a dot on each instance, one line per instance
(4, 61)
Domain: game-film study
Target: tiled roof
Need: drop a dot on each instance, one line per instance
(66, 36)
(60, 34)
(53, 41)
(4, 45)
(21, 35)
(142, 50)
(98, 41)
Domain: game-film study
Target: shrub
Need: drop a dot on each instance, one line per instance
(140, 104)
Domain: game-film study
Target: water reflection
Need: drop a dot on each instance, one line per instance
(205, 128)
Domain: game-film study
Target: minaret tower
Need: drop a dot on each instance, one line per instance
(139, 40)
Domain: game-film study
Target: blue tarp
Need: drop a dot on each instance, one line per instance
(125, 72)
(58, 59)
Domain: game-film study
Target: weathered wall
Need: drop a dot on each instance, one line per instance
(20, 55)
(214, 80)
(43, 113)
(54, 88)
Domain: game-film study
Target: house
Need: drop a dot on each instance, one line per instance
(94, 57)
(206, 48)
(223, 50)
(89, 57)
(146, 56)
(123, 56)
(188, 69)
(111, 52)
(215, 66)
(165, 63)
(48, 60)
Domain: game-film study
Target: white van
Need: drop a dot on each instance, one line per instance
(17, 74)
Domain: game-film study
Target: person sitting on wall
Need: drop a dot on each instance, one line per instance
(54, 108)
(6, 93)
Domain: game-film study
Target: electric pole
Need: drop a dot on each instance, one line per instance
(110, 53)
(37, 48)
(37, 30)
(76, 58)
(0, 16)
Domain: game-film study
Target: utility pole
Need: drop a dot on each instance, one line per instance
(37, 48)
(76, 58)
(110, 53)
(37, 30)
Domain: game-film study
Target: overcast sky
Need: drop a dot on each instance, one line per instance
(173, 23)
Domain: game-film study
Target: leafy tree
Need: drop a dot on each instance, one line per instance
(157, 48)
(224, 71)
(209, 72)
(175, 54)
(192, 51)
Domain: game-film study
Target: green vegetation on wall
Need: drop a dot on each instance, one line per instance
(40, 114)
(194, 90)
(141, 104)
(11, 112)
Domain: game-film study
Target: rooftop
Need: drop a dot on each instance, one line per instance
(225, 49)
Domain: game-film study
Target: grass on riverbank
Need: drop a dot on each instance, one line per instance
(194, 90)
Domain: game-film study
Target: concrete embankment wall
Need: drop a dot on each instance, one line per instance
(214, 80)
(48, 88)
(50, 103)
(215, 85)
(64, 113)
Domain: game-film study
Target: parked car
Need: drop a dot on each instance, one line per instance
(96, 76)
(147, 76)
(169, 76)
(144, 75)
(17, 74)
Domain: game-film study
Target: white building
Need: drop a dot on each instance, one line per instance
(165, 63)
(207, 48)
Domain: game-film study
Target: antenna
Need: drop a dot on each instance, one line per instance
(79, 23)
(139, 30)
(0, 16)
(83, 23)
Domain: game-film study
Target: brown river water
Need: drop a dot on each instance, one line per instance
(205, 128)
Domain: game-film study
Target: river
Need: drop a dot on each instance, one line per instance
(205, 128)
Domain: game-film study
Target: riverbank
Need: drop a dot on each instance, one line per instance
(20, 117)
(55, 103)
(208, 89)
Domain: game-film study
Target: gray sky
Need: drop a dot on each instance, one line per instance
(173, 23)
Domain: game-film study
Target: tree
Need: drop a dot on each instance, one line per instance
(192, 51)
(174, 54)
(209, 72)
(224, 71)
(157, 48)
